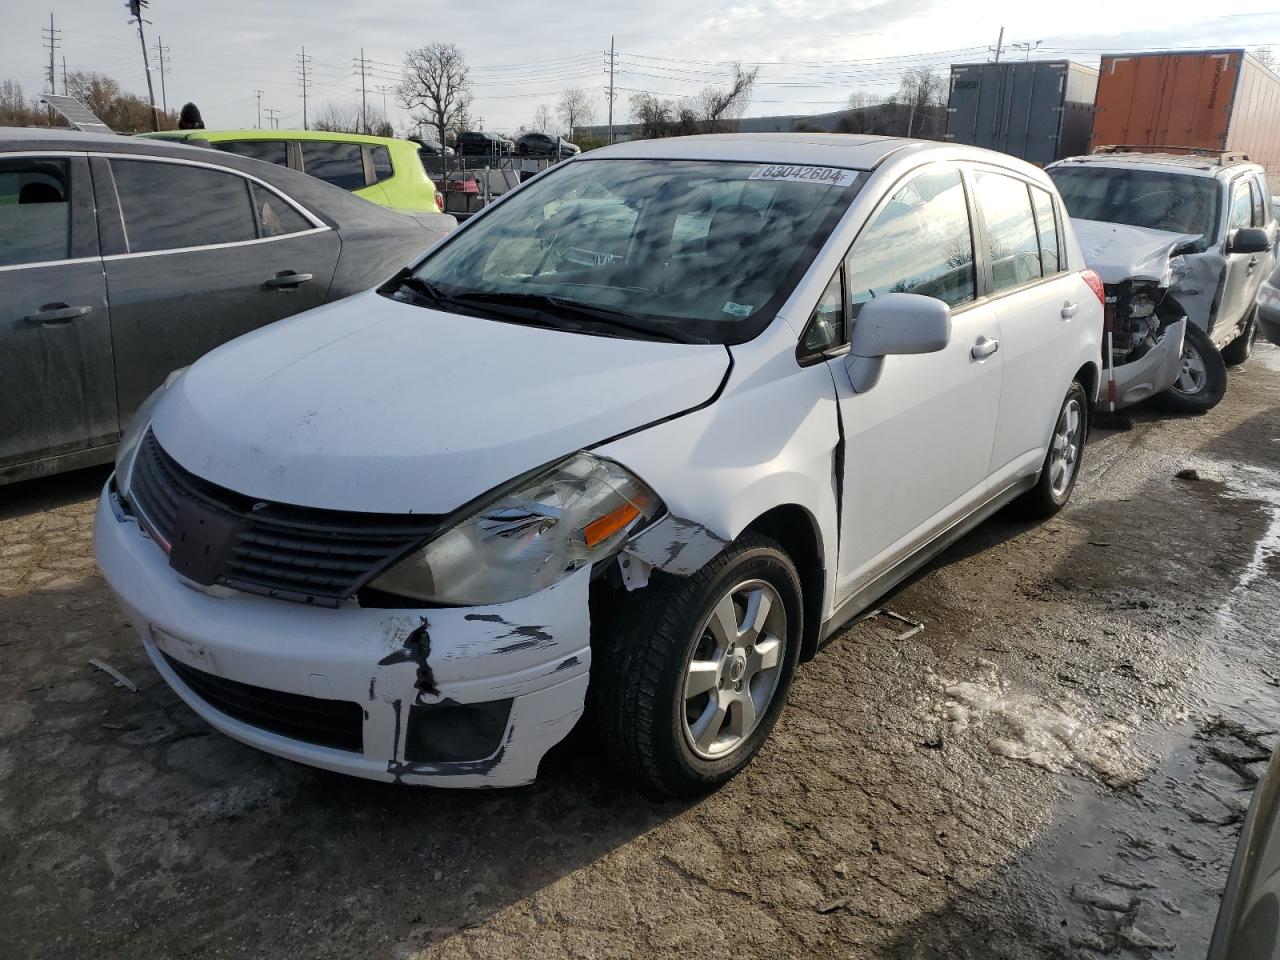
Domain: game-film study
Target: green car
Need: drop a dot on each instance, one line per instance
(382, 169)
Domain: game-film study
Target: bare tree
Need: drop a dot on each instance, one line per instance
(338, 118)
(435, 88)
(923, 92)
(575, 109)
(16, 110)
(719, 108)
(543, 120)
(1266, 56)
(122, 112)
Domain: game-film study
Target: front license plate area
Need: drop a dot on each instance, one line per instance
(201, 540)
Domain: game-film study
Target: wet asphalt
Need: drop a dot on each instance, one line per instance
(1056, 766)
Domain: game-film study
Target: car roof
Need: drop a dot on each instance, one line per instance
(850, 151)
(214, 136)
(1192, 164)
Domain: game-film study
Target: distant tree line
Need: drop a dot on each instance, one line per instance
(122, 112)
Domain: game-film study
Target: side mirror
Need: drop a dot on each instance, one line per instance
(901, 323)
(1248, 240)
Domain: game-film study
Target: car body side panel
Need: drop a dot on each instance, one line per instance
(769, 440)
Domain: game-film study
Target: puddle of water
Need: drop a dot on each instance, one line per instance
(1056, 735)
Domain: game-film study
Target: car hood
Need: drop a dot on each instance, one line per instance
(1119, 252)
(371, 404)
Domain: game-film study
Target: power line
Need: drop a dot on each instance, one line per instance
(162, 55)
(303, 64)
(362, 65)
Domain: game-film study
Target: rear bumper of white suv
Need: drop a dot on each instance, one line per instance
(454, 697)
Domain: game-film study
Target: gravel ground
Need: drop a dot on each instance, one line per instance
(1055, 767)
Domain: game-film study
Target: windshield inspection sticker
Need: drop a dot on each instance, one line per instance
(738, 309)
(823, 176)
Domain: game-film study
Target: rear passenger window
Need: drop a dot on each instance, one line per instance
(35, 211)
(271, 151)
(1048, 230)
(341, 164)
(1011, 230)
(171, 205)
(381, 163)
(275, 217)
(919, 243)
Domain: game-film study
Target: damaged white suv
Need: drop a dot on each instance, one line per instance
(639, 436)
(1182, 243)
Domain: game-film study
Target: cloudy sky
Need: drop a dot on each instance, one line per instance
(813, 54)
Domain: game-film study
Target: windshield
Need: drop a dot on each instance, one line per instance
(1179, 203)
(684, 249)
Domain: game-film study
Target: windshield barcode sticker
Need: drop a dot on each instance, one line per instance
(738, 309)
(823, 176)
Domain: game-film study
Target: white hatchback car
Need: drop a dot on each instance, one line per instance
(642, 434)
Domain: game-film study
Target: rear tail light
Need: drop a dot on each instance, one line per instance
(1095, 284)
(439, 202)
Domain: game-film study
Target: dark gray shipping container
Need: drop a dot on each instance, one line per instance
(1040, 110)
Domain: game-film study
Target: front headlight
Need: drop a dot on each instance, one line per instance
(575, 513)
(127, 452)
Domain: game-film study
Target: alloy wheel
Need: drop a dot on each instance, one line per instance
(1065, 451)
(733, 669)
(1194, 373)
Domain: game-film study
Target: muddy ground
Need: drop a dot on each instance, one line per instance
(1056, 767)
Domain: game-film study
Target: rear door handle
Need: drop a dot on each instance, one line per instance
(1069, 310)
(287, 278)
(984, 348)
(55, 314)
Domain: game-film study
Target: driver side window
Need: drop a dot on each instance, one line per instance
(1241, 214)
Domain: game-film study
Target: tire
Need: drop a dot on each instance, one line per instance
(663, 642)
(1061, 466)
(1241, 348)
(1204, 378)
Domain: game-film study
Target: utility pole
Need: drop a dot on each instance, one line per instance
(999, 45)
(51, 41)
(162, 56)
(382, 88)
(612, 60)
(259, 95)
(303, 61)
(64, 76)
(272, 119)
(362, 64)
(135, 8)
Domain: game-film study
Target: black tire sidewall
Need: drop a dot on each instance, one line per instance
(683, 766)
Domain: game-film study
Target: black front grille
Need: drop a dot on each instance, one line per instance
(294, 553)
(327, 723)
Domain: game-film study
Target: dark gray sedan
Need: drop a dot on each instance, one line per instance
(123, 259)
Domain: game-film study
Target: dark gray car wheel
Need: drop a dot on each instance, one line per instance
(1203, 378)
(696, 669)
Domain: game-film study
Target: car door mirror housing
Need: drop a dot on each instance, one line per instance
(901, 323)
(1248, 240)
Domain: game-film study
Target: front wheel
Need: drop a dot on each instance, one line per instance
(1061, 464)
(696, 670)
(1203, 378)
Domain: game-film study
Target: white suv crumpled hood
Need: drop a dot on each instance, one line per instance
(1119, 252)
(375, 405)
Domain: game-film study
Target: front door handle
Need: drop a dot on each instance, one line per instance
(56, 314)
(1069, 310)
(1253, 262)
(286, 279)
(984, 348)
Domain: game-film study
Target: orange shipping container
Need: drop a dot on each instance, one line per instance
(1223, 100)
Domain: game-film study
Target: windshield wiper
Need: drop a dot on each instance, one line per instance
(582, 312)
(406, 280)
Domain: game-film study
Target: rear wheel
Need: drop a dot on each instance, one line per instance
(1241, 348)
(1203, 379)
(697, 668)
(1062, 461)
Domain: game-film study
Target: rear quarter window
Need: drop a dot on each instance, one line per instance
(382, 169)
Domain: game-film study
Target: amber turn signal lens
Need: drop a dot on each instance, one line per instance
(605, 527)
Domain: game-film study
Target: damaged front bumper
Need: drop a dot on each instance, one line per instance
(1156, 371)
(453, 697)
